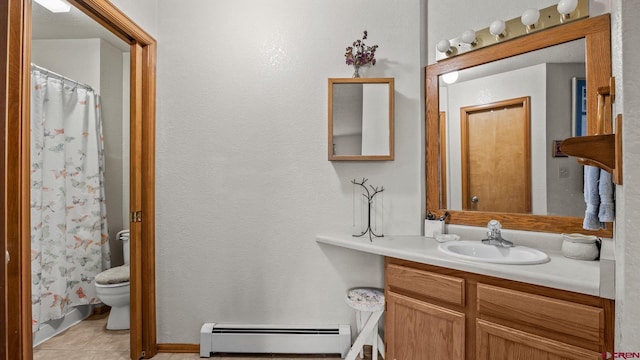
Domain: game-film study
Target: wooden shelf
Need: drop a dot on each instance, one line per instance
(602, 151)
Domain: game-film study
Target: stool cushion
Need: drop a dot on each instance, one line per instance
(365, 299)
(116, 275)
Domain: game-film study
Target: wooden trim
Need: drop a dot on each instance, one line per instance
(4, 105)
(391, 101)
(114, 20)
(457, 321)
(565, 318)
(596, 32)
(486, 329)
(179, 348)
(15, 20)
(15, 190)
(526, 141)
(148, 255)
(135, 228)
(450, 289)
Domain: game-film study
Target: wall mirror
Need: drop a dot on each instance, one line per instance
(531, 79)
(361, 112)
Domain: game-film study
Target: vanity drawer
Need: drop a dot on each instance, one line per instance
(549, 314)
(435, 286)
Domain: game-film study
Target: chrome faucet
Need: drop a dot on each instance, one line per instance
(494, 237)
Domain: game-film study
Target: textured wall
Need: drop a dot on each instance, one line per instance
(78, 59)
(243, 181)
(626, 56)
(143, 12)
(243, 184)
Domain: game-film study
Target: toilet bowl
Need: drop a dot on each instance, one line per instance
(112, 288)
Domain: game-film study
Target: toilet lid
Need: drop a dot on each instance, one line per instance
(114, 275)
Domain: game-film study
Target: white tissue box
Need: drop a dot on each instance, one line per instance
(433, 228)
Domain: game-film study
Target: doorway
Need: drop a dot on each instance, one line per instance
(15, 30)
(496, 160)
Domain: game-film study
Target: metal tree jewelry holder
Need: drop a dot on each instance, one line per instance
(369, 196)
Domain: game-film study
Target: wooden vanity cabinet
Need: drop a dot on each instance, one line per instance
(440, 313)
(418, 329)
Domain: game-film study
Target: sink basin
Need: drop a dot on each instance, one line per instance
(477, 251)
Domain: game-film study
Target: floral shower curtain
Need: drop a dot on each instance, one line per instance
(69, 238)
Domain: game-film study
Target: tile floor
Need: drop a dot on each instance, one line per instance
(90, 340)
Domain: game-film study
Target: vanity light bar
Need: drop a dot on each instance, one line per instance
(514, 28)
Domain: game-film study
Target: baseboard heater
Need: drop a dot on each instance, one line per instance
(274, 339)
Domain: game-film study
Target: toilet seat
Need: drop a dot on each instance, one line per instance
(107, 286)
(114, 276)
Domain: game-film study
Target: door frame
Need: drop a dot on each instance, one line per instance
(442, 126)
(15, 57)
(465, 112)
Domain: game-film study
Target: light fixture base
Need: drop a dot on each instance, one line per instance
(549, 17)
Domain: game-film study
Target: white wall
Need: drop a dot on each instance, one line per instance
(78, 59)
(375, 119)
(626, 56)
(111, 87)
(243, 181)
(203, 287)
(143, 12)
(565, 193)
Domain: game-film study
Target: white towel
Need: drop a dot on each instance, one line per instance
(591, 198)
(605, 189)
(598, 195)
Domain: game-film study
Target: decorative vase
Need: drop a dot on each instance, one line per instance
(356, 69)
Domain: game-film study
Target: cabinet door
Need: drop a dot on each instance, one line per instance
(497, 342)
(418, 330)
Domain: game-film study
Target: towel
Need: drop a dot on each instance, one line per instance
(605, 189)
(598, 195)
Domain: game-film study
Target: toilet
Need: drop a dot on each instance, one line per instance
(112, 288)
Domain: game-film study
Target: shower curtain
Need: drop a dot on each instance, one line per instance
(69, 238)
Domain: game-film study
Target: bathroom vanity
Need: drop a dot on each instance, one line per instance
(454, 314)
(440, 307)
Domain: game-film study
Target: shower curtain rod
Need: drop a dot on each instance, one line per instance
(61, 77)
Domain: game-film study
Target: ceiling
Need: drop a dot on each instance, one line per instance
(72, 25)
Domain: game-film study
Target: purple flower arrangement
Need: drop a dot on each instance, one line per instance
(364, 54)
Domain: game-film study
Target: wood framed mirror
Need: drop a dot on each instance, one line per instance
(361, 119)
(593, 36)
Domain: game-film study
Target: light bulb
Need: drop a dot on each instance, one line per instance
(444, 46)
(55, 6)
(450, 78)
(566, 7)
(530, 17)
(497, 28)
(469, 37)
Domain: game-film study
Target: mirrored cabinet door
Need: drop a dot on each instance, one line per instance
(361, 119)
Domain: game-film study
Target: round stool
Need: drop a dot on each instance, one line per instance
(369, 306)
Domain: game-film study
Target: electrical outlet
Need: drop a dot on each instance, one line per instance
(563, 172)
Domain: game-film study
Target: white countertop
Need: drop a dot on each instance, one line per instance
(559, 273)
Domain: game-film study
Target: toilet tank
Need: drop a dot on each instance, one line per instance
(124, 237)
